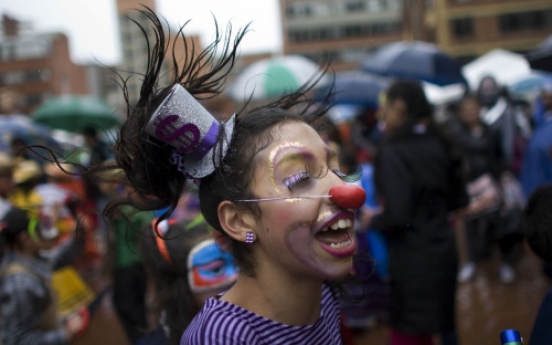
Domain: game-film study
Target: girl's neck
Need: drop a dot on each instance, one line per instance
(288, 301)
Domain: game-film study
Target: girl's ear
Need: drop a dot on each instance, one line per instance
(235, 221)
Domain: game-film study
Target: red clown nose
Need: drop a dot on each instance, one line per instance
(348, 196)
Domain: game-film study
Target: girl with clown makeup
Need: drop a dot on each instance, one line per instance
(268, 186)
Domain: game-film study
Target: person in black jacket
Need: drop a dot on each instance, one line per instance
(485, 157)
(419, 178)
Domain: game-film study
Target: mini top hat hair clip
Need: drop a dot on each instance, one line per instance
(183, 123)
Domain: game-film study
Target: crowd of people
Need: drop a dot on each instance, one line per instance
(271, 225)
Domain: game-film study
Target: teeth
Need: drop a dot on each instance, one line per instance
(325, 229)
(340, 245)
(341, 224)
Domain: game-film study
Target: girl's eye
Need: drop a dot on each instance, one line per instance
(295, 180)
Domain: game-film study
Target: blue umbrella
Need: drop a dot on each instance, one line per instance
(21, 127)
(415, 60)
(353, 88)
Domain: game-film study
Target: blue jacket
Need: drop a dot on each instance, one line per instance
(537, 165)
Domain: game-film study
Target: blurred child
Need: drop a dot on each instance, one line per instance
(28, 307)
(186, 266)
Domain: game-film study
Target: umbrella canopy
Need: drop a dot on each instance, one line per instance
(505, 66)
(414, 60)
(74, 113)
(354, 88)
(21, 127)
(273, 77)
(541, 57)
(528, 87)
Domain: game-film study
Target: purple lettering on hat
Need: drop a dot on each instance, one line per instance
(207, 142)
(187, 135)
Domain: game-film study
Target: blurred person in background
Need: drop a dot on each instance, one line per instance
(127, 266)
(542, 111)
(486, 165)
(27, 175)
(6, 183)
(537, 165)
(186, 265)
(419, 178)
(538, 232)
(28, 306)
(499, 113)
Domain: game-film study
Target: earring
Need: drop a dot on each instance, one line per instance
(249, 237)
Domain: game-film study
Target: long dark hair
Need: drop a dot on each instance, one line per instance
(146, 160)
(170, 279)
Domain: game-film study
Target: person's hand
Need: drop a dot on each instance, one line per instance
(75, 324)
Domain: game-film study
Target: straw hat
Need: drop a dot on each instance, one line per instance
(26, 170)
(6, 163)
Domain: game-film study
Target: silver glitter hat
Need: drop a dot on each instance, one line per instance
(183, 123)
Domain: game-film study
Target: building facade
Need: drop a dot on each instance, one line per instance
(469, 28)
(37, 66)
(135, 49)
(343, 31)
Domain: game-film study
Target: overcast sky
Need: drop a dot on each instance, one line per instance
(91, 24)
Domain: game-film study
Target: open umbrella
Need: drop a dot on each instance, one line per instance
(353, 88)
(541, 57)
(505, 66)
(414, 60)
(74, 113)
(273, 77)
(21, 127)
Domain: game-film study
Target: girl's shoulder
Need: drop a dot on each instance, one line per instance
(223, 323)
(220, 322)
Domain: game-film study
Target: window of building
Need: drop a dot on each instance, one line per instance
(394, 5)
(352, 30)
(13, 77)
(31, 50)
(376, 5)
(462, 27)
(523, 21)
(354, 6)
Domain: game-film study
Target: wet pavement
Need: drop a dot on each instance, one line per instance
(485, 308)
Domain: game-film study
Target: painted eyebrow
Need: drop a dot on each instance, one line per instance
(302, 155)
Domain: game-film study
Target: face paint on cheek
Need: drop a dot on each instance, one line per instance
(209, 268)
(302, 244)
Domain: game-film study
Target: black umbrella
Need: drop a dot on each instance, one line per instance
(541, 57)
(415, 60)
(353, 88)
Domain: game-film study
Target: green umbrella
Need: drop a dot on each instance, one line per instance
(74, 113)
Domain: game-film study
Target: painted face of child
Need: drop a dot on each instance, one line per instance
(306, 237)
(210, 270)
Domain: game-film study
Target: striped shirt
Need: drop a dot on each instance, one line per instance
(223, 323)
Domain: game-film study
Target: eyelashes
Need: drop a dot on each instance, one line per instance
(309, 173)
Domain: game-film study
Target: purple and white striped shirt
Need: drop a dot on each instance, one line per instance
(223, 323)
